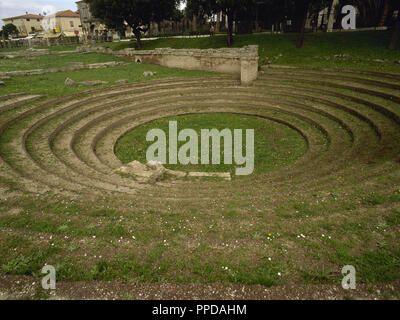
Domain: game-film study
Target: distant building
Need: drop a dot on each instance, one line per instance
(68, 22)
(26, 24)
(90, 25)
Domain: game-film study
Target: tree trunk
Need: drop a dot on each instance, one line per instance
(396, 33)
(138, 36)
(384, 13)
(300, 40)
(230, 29)
(194, 25)
(257, 23)
(218, 26)
(332, 15)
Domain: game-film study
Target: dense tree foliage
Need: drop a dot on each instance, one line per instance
(396, 32)
(246, 14)
(138, 14)
(8, 29)
(371, 13)
(268, 11)
(376, 13)
(232, 9)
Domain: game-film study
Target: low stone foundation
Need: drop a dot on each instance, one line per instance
(240, 61)
(73, 66)
(31, 53)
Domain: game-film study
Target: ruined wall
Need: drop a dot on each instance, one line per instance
(240, 61)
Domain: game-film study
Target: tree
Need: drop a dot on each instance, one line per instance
(199, 9)
(385, 13)
(371, 13)
(138, 14)
(9, 29)
(303, 8)
(335, 3)
(396, 32)
(232, 9)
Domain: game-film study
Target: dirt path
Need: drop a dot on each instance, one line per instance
(18, 287)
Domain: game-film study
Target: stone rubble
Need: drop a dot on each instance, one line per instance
(223, 175)
(70, 82)
(149, 73)
(92, 83)
(122, 81)
(153, 172)
(142, 172)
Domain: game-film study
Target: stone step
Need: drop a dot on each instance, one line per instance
(11, 102)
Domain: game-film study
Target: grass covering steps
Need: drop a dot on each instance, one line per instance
(327, 148)
(92, 124)
(382, 75)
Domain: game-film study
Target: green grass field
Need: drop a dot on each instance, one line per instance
(52, 84)
(319, 49)
(276, 145)
(53, 61)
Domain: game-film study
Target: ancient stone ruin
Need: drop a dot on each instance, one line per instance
(242, 62)
(239, 61)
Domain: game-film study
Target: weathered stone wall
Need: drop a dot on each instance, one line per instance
(240, 61)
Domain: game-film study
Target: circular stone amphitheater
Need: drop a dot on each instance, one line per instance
(64, 149)
(350, 121)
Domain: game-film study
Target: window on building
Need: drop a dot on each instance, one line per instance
(71, 24)
(28, 19)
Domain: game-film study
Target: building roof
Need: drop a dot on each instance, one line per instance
(67, 13)
(25, 16)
